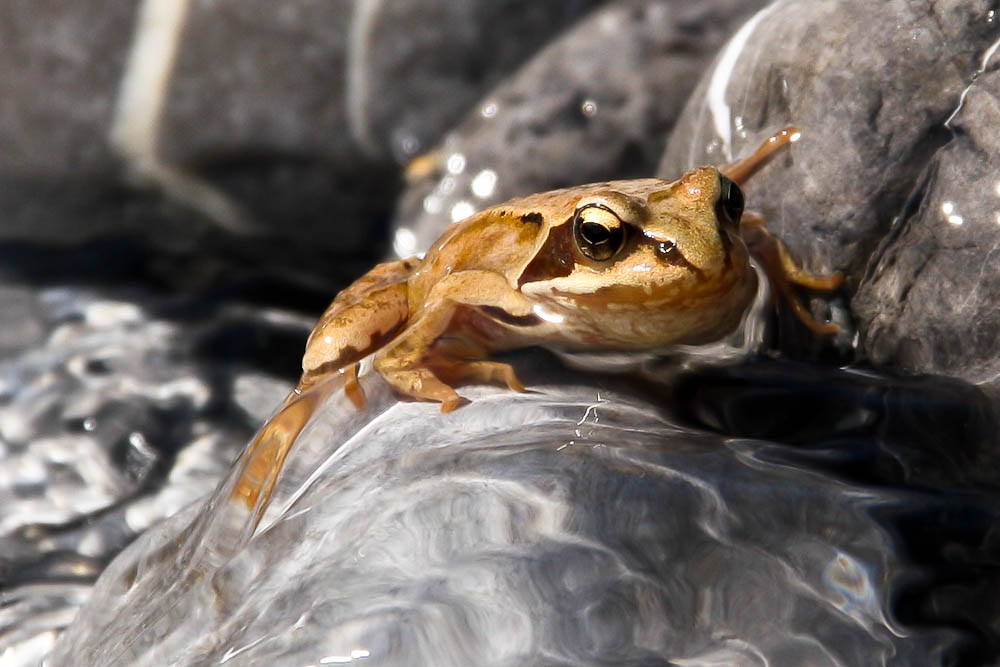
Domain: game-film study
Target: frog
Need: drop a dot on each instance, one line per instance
(637, 264)
(640, 264)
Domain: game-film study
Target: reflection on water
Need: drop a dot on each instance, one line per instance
(766, 512)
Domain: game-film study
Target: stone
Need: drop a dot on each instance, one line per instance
(587, 524)
(104, 146)
(931, 300)
(892, 134)
(59, 73)
(870, 117)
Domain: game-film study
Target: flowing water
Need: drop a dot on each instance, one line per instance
(722, 507)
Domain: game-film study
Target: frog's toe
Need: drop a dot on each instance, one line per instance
(450, 404)
(503, 374)
(352, 388)
(480, 372)
(817, 327)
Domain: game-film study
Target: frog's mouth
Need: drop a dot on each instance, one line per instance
(646, 297)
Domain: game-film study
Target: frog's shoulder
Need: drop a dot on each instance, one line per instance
(361, 318)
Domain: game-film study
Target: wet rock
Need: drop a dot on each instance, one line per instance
(113, 416)
(930, 302)
(876, 163)
(582, 524)
(871, 118)
(596, 104)
(20, 323)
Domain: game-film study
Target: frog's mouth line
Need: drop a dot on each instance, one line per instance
(654, 297)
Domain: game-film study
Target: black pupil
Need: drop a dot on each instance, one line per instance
(594, 233)
(730, 200)
(602, 236)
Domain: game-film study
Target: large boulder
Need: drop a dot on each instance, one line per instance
(896, 107)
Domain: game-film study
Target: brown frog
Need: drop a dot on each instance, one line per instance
(627, 265)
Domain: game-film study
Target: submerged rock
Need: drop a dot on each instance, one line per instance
(114, 415)
(578, 524)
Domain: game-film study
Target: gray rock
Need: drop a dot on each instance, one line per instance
(59, 71)
(226, 126)
(869, 84)
(930, 302)
(596, 104)
(202, 144)
(251, 131)
(875, 147)
(258, 79)
(349, 82)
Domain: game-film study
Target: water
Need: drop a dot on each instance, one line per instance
(759, 512)
(719, 507)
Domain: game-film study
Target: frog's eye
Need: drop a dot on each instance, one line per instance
(730, 204)
(599, 233)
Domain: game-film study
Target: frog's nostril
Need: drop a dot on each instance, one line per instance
(668, 252)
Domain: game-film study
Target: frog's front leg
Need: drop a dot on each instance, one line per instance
(741, 170)
(784, 272)
(442, 346)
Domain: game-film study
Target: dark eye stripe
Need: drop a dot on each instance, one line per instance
(554, 259)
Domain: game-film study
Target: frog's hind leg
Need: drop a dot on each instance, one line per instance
(422, 364)
(784, 273)
(362, 319)
(264, 458)
(738, 172)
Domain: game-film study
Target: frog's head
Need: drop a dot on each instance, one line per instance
(653, 262)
